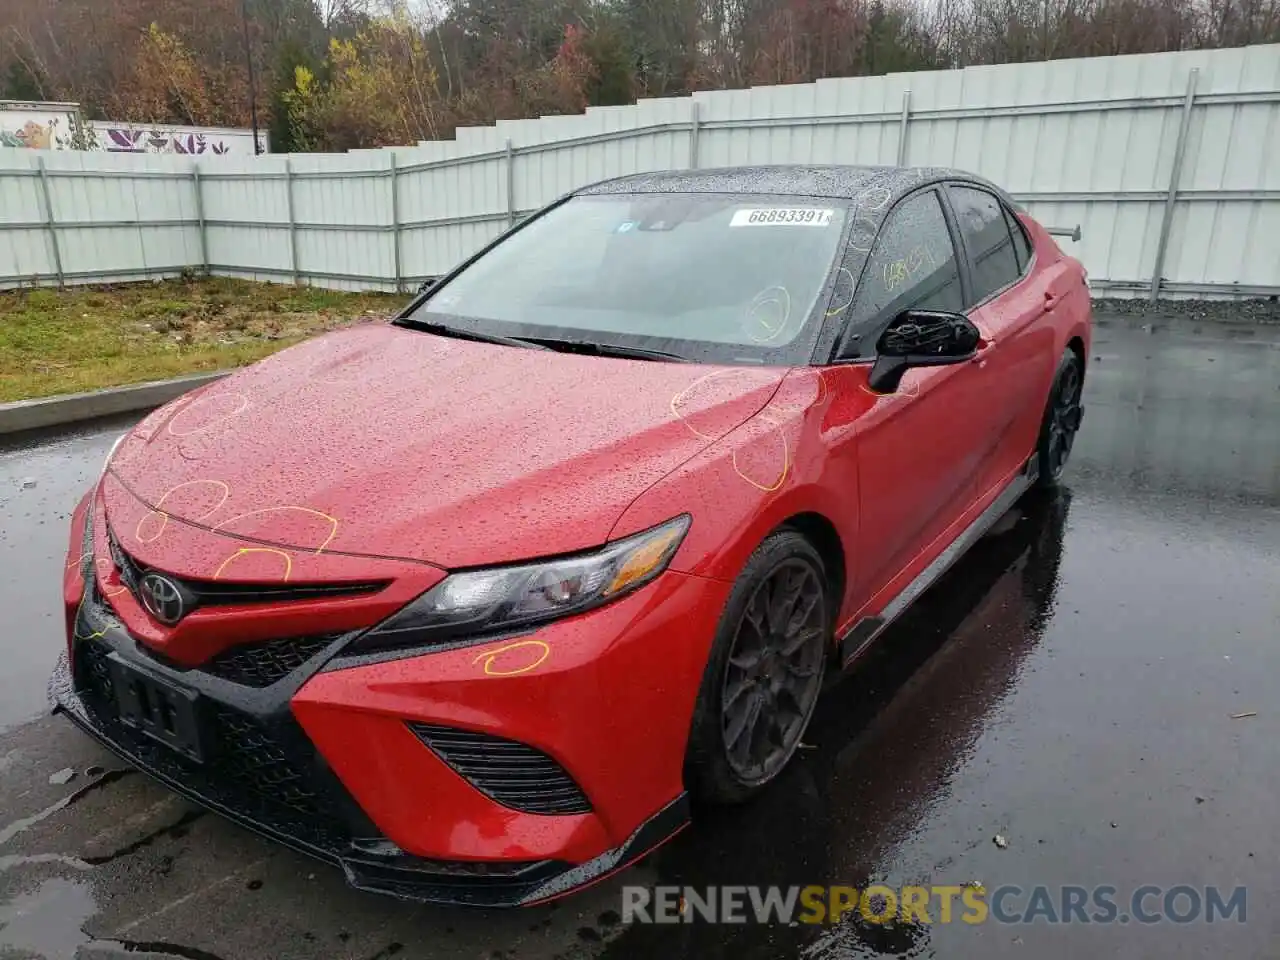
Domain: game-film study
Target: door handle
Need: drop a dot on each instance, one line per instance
(1050, 300)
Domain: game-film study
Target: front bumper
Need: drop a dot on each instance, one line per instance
(326, 760)
(458, 883)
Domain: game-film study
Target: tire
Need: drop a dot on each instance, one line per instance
(731, 756)
(1061, 422)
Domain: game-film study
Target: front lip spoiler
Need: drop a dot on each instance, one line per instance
(550, 881)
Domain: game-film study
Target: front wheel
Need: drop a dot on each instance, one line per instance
(764, 674)
(1062, 419)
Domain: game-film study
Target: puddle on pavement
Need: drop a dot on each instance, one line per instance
(10, 760)
(48, 920)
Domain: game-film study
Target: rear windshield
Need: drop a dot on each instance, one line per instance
(711, 277)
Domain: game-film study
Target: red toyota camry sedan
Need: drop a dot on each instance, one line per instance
(472, 603)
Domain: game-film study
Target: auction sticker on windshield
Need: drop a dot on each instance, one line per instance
(782, 216)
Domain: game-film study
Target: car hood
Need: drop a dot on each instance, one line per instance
(383, 441)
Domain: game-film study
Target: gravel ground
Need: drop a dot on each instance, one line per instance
(1220, 311)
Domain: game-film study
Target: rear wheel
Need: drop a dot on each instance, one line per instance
(764, 674)
(1061, 420)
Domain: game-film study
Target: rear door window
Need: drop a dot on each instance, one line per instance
(986, 237)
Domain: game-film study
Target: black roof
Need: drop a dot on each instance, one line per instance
(849, 183)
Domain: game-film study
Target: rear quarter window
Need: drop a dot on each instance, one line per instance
(987, 239)
(1021, 245)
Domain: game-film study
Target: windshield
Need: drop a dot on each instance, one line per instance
(707, 277)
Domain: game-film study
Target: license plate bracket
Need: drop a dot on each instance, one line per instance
(157, 708)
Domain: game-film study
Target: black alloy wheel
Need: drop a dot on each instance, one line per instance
(764, 671)
(774, 671)
(1062, 420)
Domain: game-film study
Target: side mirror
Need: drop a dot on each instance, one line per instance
(921, 338)
(426, 285)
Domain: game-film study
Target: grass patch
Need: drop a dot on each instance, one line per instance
(85, 338)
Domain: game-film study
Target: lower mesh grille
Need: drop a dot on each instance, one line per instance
(514, 774)
(258, 758)
(93, 673)
(266, 767)
(262, 664)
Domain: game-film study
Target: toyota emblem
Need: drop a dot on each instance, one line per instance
(162, 598)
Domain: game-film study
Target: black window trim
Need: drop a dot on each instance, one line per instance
(1011, 217)
(962, 267)
(962, 248)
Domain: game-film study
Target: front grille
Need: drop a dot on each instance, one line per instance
(92, 672)
(262, 664)
(260, 757)
(211, 593)
(256, 665)
(266, 768)
(217, 593)
(514, 774)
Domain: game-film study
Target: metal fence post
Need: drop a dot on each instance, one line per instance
(204, 240)
(395, 222)
(293, 223)
(1175, 175)
(694, 127)
(511, 184)
(49, 221)
(902, 128)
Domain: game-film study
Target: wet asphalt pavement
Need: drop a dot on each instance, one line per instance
(1070, 686)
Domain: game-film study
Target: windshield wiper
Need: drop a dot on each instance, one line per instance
(608, 350)
(444, 330)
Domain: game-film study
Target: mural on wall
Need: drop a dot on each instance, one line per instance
(40, 129)
(51, 126)
(126, 139)
(31, 135)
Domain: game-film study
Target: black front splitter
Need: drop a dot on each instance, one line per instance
(404, 877)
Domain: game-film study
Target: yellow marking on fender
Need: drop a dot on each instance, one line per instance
(157, 511)
(333, 532)
(908, 391)
(288, 560)
(75, 630)
(823, 390)
(241, 400)
(137, 531)
(491, 655)
(786, 460)
(116, 591)
(676, 400)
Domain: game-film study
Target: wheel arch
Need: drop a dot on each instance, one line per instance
(1076, 345)
(822, 533)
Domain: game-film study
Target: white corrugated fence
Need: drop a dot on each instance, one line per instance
(1169, 164)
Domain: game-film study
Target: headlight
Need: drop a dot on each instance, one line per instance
(478, 602)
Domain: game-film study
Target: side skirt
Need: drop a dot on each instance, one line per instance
(863, 633)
